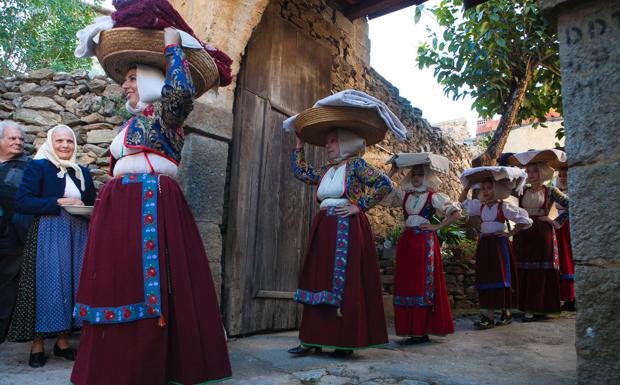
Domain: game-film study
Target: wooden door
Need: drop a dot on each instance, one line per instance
(284, 72)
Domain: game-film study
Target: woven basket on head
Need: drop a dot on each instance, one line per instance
(548, 157)
(313, 124)
(121, 48)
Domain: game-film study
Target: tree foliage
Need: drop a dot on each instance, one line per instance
(503, 54)
(40, 34)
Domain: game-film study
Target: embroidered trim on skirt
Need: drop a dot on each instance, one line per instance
(185, 343)
(539, 280)
(419, 268)
(496, 274)
(359, 321)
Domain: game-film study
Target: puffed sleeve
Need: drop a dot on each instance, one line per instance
(177, 95)
(302, 171)
(394, 199)
(444, 206)
(376, 180)
(516, 214)
(471, 207)
(559, 197)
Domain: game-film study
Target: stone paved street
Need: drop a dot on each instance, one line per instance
(535, 353)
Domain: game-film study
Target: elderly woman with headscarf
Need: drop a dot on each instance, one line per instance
(147, 297)
(421, 305)
(496, 269)
(536, 248)
(339, 284)
(54, 247)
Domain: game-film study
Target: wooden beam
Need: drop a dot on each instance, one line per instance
(374, 9)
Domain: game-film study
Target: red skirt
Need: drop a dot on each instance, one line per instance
(421, 304)
(567, 266)
(186, 345)
(496, 274)
(341, 277)
(539, 278)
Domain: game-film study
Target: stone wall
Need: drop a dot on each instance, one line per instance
(92, 107)
(589, 50)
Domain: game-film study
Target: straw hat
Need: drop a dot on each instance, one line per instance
(553, 157)
(120, 48)
(313, 124)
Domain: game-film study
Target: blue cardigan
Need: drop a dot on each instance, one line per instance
(41, 187)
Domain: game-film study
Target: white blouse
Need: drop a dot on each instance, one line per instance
(71, 190)
(134, 161)
(533, 201)
(488, 215)
(331, 188)
(415, 204)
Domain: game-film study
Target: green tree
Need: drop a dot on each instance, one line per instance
(503, 54)
(41, 34)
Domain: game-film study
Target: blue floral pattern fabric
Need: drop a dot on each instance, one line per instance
(159, 128)
(365, 186)
(151, 307)
(335, 296)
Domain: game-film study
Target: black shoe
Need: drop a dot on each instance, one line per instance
(416, 340)
(341, 353)
(484, 323)
(532, 317)
(37, 360)
(68, 353)
(302, 350)
(504, 320)
(569, 306)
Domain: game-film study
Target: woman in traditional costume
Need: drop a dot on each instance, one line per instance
(146, 296)
(421, 304)
(565, 250)
(536, 248)
(340, 286)
(54, 247)
(496, 268)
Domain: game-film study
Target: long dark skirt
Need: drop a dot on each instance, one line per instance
(567, 266)
(186, 344)
(421, 304)
(496, 274)
(359, 320)
(49, 278)
(539, 277)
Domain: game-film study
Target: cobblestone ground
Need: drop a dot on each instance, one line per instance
(540, 353)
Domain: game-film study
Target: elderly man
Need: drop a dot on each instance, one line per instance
(12, 226)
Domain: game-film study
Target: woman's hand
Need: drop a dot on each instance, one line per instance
(171, 36)
(69, 202)
(348, 210)
(430, 226)
(504, 234)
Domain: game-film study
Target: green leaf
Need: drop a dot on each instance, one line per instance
(418, 14)
(501, 42)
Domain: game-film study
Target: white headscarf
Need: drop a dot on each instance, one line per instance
(431, 181)
(150, 81)
(47, 152)
(350, 145)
